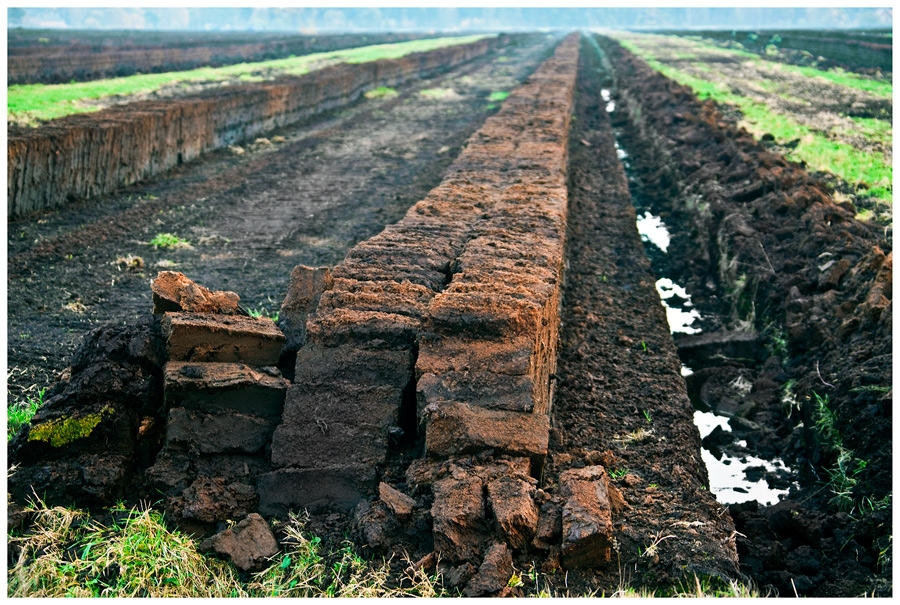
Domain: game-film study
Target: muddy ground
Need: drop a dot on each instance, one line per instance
(248, 218)
(785, 261)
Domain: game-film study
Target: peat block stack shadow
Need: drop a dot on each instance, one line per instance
(85, 155)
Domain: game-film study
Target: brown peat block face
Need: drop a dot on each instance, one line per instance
(587, 527)
(215, 387)
(173, 291)
(222, 338)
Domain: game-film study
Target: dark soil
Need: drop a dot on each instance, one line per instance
(760, 259)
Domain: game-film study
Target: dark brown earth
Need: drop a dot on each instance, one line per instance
(620, 401)
(761, 246)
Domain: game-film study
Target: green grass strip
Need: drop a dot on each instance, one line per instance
(819, 152)
(51, 101)
(878, 88)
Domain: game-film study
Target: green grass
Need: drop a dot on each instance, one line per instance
(48, 102)
(381, 92)
(20, 414)
(436, 93)
(168, 240)
(67, 554)
(818, 151)
(498, 96)
(263, 312)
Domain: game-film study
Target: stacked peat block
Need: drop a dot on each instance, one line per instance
(86, 155)
(224, 397)
(447, 323)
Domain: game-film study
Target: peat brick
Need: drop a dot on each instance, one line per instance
(339, 487)
(586, 518)
(366, 329)
(482, 314)
(211, 500)
(459, 428)
(222, 338)
(218, 433)
(459, 517)
(249, 544)
(482, 389)
(319, 367)
(305, 289)
(494, 573)
(172, 291)
(334, 424)
(509, 356)
(514, 509)
(213, 387)
(401, 504)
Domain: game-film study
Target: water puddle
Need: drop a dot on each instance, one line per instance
(653, 229)
(607, 98)
(729, 480)
(680, 320)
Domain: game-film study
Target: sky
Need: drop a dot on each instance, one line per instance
(447, 18)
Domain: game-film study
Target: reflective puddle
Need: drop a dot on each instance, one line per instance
(680, 319)
(653, 230)
(728, 477)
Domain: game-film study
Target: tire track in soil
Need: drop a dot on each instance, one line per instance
(340, 177)
(621, 400)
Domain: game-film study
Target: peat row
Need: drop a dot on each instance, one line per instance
(81, 156)
(811, 286)
(445, 324)
(81, 61)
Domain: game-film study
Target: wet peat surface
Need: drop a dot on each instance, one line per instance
(792, 309)
(248, 218)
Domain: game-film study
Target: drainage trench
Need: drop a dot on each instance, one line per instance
(736, 474)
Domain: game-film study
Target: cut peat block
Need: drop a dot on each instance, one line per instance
(222, 338)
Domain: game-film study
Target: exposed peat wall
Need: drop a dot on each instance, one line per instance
(82, 61)
(85, 155)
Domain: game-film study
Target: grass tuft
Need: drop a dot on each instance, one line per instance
(67, 554)
(381, 92)
(19, 414)
(168, 240)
